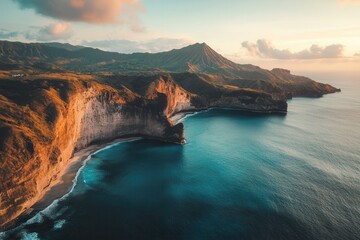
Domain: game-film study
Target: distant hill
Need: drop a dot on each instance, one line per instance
(65, 46)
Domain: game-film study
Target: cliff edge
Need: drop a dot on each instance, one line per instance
(47, 118)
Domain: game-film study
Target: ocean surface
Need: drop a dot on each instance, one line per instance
(240, 176)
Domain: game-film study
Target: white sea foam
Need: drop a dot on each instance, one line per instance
(59, 224)
(2, 235)
(29, 236)
(187, 115)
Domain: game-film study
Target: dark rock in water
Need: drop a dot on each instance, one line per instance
(176, 134)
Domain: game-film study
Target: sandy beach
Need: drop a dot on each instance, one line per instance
(66, 179)
(64, 183)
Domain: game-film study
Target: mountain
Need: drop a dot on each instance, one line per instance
(194, 58)
(198, 58)
(65, 46)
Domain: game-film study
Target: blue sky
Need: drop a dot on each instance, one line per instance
(275, 32)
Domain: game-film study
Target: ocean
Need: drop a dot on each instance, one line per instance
(240, 176)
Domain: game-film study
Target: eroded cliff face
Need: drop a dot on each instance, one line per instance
(104, 120)
(299, 86)
(250, 100)
(178, 99)
(189, 92)
(44, 122)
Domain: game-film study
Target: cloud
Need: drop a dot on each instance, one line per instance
(90, 11)
(264, 48)
(357, 54)
(127, 46)
(56, 31)
(5, 34)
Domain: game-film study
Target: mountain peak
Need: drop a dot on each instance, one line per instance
(203, 44)
(201, 56)
(199, 46)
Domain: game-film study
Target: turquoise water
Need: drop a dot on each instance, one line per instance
(240, 176)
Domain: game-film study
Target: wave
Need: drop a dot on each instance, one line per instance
(59, 224)
(29, 236)
(189, 114)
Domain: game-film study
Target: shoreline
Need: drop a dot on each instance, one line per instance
(65, 183)
(67, 180)
(181, 115)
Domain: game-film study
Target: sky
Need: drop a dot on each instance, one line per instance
(301, 35)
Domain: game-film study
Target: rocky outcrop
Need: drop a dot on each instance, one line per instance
(178, 99)
(206, 95)
(188, 92)
(249, 100)
(45, 121)
(299, 86)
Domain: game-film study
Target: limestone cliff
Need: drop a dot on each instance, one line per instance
(45, 120)
(250, 100)
(178, 99)
(190, 92)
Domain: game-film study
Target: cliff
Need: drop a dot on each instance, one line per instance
(46, 120)
(299, 86)
(191, 92)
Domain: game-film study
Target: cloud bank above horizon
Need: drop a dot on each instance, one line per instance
(265, 49)
(150, 46)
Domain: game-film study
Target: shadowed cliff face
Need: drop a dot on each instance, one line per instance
(189, 92)
(45, 120)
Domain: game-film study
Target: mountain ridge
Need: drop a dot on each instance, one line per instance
(198, 58)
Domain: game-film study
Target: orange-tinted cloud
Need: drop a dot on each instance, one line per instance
(91, 11)
(52, 32)
(55, 31)
(264, 48)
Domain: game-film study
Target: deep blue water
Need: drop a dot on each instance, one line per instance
(240, 176)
